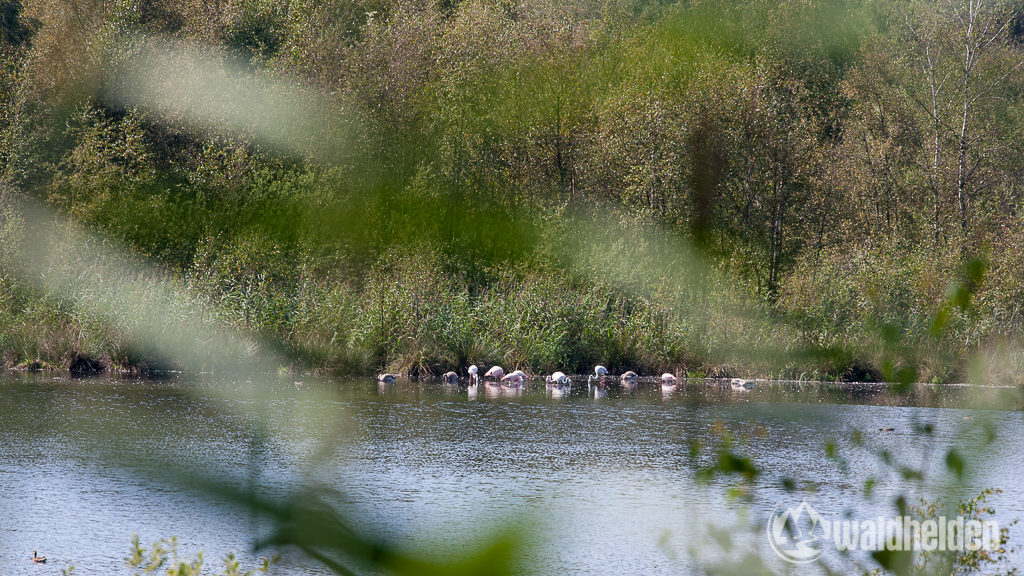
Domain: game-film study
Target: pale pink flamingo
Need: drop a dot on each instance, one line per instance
(495, 373)
(515, 378)
(668, 385)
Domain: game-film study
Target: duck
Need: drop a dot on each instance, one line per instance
(741, 384)
(495, 373)
(37, 559)
(386, 378)
(450, 378)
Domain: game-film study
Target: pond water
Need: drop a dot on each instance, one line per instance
(594, 485)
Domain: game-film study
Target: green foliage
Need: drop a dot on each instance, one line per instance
(411, 317)
(163, 557)
(309, 522)
(15, 29)
(791, 144)
(521, 183)
(960, 562)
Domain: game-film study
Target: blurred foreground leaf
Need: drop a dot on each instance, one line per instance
(307, 520)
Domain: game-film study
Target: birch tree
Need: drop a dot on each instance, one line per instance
(963, 59)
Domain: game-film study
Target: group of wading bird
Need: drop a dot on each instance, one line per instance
(558, 381)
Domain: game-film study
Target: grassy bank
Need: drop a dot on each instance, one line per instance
(412, 311)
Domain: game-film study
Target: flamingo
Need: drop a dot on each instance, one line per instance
(599, 373)
(474, 374)
(450, 378)
(668, 385)
(515, 378)
(37, 559)
(386, 378)
(558, 378)
(559, 384)
(629, 377)
(496, 373)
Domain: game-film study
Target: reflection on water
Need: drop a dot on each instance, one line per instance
(498, 390)
(603, 475)
(667, 390)
(559, 390)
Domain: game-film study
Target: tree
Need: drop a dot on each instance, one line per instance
(963, 58)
